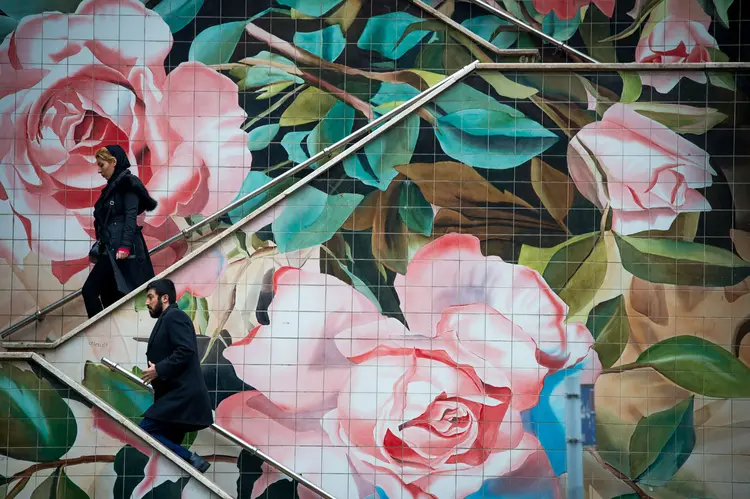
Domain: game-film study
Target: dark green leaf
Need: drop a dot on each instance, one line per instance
(608, 322)
(645, 11)
(253, 181)
(681, 118)
(684, 263)
(327, 43)
(719, 78)
(492, 29)
(178, 13)
(722, 10)
(315, 8)
(128, 398)
(17, 9)
(7, 25)
(36, 424)
(58, 486)
(383, 34)
(595, 31)
(661, 443)
(415, 211)
(337, 125)
(260, 137)
(311, 217)
(699, 366)
(215, 45)
(129, 465)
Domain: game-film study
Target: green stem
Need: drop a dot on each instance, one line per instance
(281, 164)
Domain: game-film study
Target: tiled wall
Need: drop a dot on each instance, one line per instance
(403, 326)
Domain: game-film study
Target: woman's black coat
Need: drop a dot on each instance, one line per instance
(125, 197)
(180, 393)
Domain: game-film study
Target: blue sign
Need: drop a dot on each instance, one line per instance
(588, 415)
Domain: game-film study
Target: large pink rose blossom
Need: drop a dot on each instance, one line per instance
(428, 411)
(647, 173)
(73, 83)
(567, 9)
(681, 36)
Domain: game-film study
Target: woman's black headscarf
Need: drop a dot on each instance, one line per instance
(123, 163)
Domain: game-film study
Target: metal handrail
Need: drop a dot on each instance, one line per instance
(115, 367)
(325, 153)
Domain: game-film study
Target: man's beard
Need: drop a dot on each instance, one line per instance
(156, 311)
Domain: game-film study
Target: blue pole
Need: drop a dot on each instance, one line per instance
(573, 435)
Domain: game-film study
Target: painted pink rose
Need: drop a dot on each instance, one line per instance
(647, 173)
(681, 36)
(202, 275)
(428, 411)
(567, 9)
(73, 83)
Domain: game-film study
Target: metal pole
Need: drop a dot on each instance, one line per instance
(573, 435)
(114, 366)
(527, 27)
(614, 66)
(421, 98)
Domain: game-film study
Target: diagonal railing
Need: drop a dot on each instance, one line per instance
(366, 135)
(368, 131)
(115, 367)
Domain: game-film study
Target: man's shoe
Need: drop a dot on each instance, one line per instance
(199, 463)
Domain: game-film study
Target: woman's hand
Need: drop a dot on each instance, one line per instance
(122, 254)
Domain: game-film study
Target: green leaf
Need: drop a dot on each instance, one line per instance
(186, 303)
(292, 144)
(202, 315)
(7, 25)
(608, 322)
(260, 137)
(722, 10)
(720, 79)
(576, 271)
(261, 75)
(18, 9)
(383, 34)
(36, 424)
(327, 43)
(595, 31)
(311, 217)
(699, 366)
(493, 139)
(506, 87)
(393, 93)
(376, 165)
(129, 466)
(640, 16)
(539, 258)
(336, 125)
(681, 118)
(58, 486)
(555, 189)
(684, 263)
(356, 281)
(311, 105)
(178, 13)
(631, 86)
(491, 29)
(661, 443)
(253, 181)
(560, 29)
(215, 45)
(126, 397)
(415, 211)
(314, 8)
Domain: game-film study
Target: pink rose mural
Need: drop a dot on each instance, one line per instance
(567, 9)
(681, 36)
(404, 409)
(68, 95)
(644, 171)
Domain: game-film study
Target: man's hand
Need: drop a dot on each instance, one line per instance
(149, 374)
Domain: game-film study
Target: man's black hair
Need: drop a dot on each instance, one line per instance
(163, 287)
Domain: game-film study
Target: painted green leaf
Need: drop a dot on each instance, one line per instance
(336, 125)
(253, 181)
(292, 144)
(36, 423)
(576, 271)
(7, 25)
(18, 9)
(375, 164)
(684, 263)
(560, 29)
(721, 79)
(631, 86)
(311, 105)
(415, 211)
(722, 10)
(129, 466)
(311, 217)
(314, 8)
(58, 486)
(128, 398)
(383, 34)
(681, 118)
(327, 43)
(492, 29)
(463, 97)
(260, 137)
(272, 90)
(215, 45)
(493, 139)
(538, 258)
(595, 31)
(262, 75)
(506, 87)
(661, 443)
(699, 366)
(608, 322)
(393, 93)
(356, 281)
(178, 13)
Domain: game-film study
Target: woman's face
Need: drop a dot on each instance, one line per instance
(106, 168)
